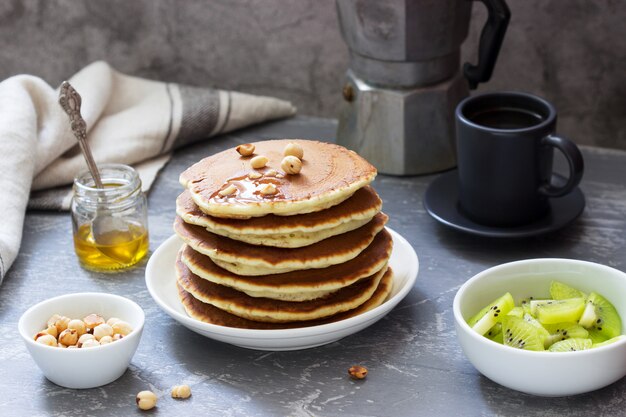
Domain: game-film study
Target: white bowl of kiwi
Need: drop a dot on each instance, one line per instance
(548, 327)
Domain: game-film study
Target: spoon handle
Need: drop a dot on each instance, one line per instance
(70, 100)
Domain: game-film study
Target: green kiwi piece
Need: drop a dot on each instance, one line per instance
(561, 291)
(570, 345)
(558, 311)
(495, 333)
(520, 334)
(543, 333)
(488, 316)
(600, 318)
(609, 342)
(525, 304)
(516, 311)
(563, 331)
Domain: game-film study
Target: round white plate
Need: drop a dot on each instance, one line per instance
(161, 282)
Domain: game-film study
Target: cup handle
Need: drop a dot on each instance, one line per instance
(574, 160)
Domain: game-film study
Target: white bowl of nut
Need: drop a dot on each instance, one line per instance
(82, 340)
(548, 327)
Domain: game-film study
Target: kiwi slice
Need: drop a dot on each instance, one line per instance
(520, 334)
(557, 311)
(560, 291)
(525, 304)
(488, 316)
(516, 311)
(570, 345)
(600, 318)
(543, 333)
(495, 333)
(608, 342)
(563, 331)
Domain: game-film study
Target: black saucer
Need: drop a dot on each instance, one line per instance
(441, 202)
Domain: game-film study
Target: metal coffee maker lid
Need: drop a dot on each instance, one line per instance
(404, 79)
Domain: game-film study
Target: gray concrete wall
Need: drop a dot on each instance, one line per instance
(571, 52)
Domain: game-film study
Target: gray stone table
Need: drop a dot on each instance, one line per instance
(416, 365)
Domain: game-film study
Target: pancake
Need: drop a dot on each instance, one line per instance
(209, 314)
(245, 259)
(287, 231)
(276, 311)
(301, 285)
(330, 174)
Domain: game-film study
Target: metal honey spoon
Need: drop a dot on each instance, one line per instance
(103, 222)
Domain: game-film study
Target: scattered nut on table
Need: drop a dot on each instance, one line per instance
(291, 165)
(181, 391)
(146, 400)
(357, 372)
(258, 162)
(245, 149)
(293, 149)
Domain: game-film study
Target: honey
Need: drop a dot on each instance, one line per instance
(110, 224)
(113, 250)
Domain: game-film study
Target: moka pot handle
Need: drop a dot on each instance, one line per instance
(491, 39)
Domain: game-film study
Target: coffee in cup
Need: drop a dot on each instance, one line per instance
(505, 148)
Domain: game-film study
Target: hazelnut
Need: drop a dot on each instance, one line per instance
(246, 149)
(77, 325)
(117, 337)
(122, 328)
(47, 339)
(102, 330)
(291, 165)
(228, 190)
(89, 343)
(68, 337)
(146, 400)
(255, 175)
(258, 162)
(268, 189)
(84, 338)
(293, 149)
(51, 330)
(181, 391)
(61, 323)
(53, 319)
(93, 320)
(112, 321)
(105, 340)
(357, 372)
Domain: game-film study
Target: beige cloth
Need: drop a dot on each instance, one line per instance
(129, 120)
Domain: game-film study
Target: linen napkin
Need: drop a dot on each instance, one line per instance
(130, 120)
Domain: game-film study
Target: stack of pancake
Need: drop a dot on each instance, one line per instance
(313, 250)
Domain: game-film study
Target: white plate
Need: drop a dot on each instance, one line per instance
(161, 282)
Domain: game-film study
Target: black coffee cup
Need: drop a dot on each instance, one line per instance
(505, 147)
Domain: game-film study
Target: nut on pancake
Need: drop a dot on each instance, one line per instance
(330, 174)
(296, 285)
(276, 311)
(287, 231)
(209, 314)
(245, 259)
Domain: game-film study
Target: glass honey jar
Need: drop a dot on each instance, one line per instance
(110, 224)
